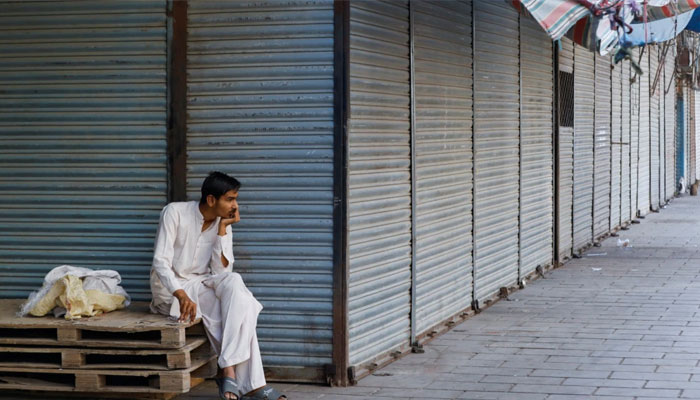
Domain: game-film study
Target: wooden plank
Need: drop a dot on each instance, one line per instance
(103, 358)
(107, 381)
(134, 327)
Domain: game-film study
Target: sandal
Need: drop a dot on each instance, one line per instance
(264, 393)
(228, 385)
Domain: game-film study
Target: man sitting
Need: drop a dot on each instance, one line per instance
(192, 263)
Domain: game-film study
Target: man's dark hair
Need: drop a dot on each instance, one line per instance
(217, 184)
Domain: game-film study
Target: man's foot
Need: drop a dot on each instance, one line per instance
(265, 393)
(228, 388)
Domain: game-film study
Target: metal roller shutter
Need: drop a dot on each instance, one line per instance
(692, 126)
(82, 139)
(687, 121)
(680, 137)
(601, 186)
(670, 111)
(687, 139)
(260, 107)
(536, 153)
(643, 166)
(616, 156)
(635, 85)
(443, 140)
(661, 86)
(626, 114)
(584, 83)
(654, 104)
(380, 179)
(696, 142)
(496, 145)
(566, 154)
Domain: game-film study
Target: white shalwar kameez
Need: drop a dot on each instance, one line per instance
(189, 259)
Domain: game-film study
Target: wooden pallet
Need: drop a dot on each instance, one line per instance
(135, 327)
(107, 381)
(38, 395)
(103, 358)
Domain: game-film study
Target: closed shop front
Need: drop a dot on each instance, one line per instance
(669, 93)
(443, 160)
(691, 136)
(667, 151)
(496, 147)
(379, 179)
(696, 124)
(655, 125)
(680, 137)
(661, 87)
(82, 139)
(584, 87)
(565, 155)
(602, 150)
(643, 165)
(260, 107)
(635, 122)
(671, 114)
(626, 213)
(536, 148)
(616, 145)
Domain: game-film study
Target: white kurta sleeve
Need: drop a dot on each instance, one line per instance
(165, 249)
(222, 245)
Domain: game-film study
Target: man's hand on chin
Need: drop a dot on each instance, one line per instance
(234, 217)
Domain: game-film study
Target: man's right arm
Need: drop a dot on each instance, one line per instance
(164, 250)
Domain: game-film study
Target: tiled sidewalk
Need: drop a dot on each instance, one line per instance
(619, 323)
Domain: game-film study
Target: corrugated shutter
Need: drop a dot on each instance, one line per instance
(260, 107)
(643, 166)
(601, 186)
(654, 104)
(661, 87)
(379, 177)
(626, 114)
(536, 153)
(670, 107)
(496, 144)
(82, 139)
(680, 137)
(584, 84)
(696, 142)
(635, 85)
(691, 137)
(443, 94)
(616, 156)
(566, 159)
(687, 140)
(670, 111)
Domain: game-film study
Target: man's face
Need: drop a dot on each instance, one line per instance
(226, 206)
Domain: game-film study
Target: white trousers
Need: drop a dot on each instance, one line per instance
(230, 315)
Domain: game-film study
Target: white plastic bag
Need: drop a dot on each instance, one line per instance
(104, 281)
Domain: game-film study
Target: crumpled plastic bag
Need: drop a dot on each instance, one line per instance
(77, 292)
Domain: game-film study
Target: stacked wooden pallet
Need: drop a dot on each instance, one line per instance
(124, 352)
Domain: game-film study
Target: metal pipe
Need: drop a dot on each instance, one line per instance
(337, 374)
(412, 79)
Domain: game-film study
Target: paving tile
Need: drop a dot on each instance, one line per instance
(661, 393)
(573, 390)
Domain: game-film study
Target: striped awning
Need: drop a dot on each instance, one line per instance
(671, 9)
(558, 17)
